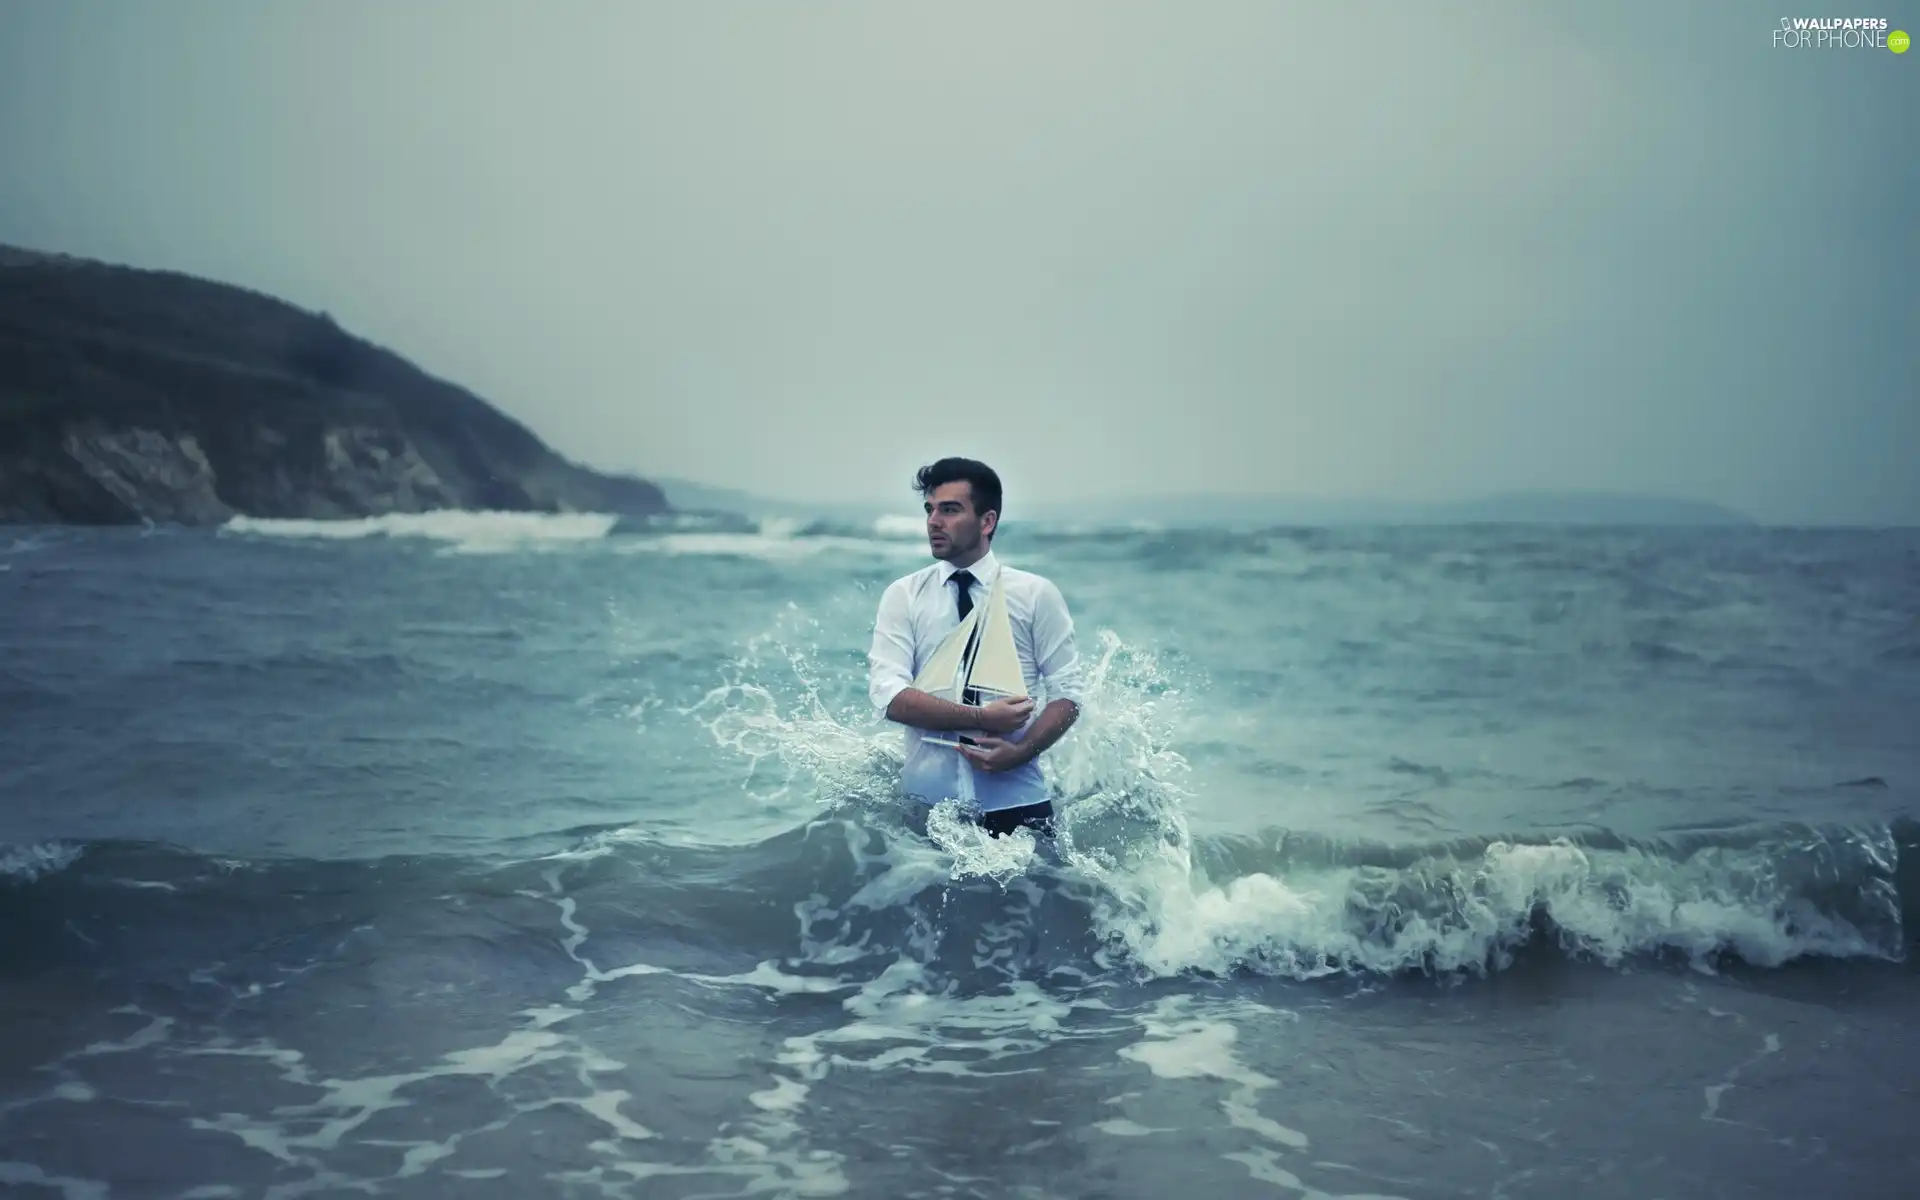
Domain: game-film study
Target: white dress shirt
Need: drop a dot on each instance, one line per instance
(916, 613)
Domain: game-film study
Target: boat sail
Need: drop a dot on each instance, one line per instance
(976, 664)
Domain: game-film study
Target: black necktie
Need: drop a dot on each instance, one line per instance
(965, 602)
(965, 580)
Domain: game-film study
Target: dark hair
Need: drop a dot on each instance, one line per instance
(979, 476)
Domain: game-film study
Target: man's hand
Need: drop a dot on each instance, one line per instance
(995, 754)
(1005, 715)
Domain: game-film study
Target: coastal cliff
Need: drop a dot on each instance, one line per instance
(131, 396)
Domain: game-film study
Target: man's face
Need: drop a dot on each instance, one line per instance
(954, 530)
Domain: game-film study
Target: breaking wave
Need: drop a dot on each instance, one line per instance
(1152, 899)
(863, 885)
(781, 539)
(475, 531)
(1795, 894)
(24, 864)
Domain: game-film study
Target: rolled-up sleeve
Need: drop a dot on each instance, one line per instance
(890, 658)
(1054, 654)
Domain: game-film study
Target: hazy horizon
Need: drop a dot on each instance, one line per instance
(907, 503)
(1353, 253)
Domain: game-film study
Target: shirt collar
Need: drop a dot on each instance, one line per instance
(983, 571)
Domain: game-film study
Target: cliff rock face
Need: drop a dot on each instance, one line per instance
(129, 396)
(148, 473)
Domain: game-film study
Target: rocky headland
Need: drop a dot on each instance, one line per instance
(131, 396)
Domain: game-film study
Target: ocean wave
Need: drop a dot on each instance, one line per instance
(27, 545)
(1797, 894)
(1763, 899)
(888, 527)
(773, 538)
(783, 545)
(896, 525)
(470, 531)
(24, 864)
(891, 527)
(864, 884)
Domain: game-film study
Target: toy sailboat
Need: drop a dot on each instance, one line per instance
(976, 664)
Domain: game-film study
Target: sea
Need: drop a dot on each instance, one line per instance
(506, 855)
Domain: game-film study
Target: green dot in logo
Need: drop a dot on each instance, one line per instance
(1898, 41)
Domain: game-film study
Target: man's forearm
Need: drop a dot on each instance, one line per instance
(923, 710)
(1055, 719)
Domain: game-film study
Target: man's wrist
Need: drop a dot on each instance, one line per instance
(1033, 747)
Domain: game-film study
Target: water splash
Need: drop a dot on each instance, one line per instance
(773, 710)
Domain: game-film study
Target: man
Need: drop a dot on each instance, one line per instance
(997, 778)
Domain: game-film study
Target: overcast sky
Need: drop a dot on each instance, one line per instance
(1407, 251)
